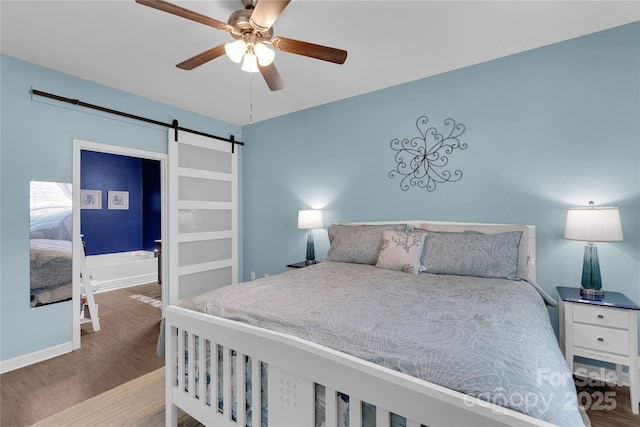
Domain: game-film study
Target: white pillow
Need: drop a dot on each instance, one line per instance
(401, 251)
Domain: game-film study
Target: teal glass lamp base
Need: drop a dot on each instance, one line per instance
(592, 294)
(311, 253)
(591, 279)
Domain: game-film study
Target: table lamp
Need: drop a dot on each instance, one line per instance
(309, 219)
(592, 224)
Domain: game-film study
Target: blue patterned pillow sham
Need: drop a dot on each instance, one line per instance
(472, 254)
(358, 244)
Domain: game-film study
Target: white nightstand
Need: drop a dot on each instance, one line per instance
(605, 330)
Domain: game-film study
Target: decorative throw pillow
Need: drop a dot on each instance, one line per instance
(401, 251)
(472, 254)
(523, 251)
(359, 244)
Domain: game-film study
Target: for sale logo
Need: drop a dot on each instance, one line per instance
(595, 400)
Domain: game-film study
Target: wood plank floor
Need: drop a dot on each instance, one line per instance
(122, 350)
(607, 405)
(139, 403)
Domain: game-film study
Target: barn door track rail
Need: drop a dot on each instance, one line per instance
(173, 125)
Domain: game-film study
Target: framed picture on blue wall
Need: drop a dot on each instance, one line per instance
(90, 199)
(119, 200)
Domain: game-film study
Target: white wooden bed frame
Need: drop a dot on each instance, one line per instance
(295, 366)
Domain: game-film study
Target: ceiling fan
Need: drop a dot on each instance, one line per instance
(252, 29)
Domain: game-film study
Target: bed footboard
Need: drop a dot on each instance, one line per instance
(223, 372)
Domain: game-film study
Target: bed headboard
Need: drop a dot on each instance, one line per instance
(526, 249)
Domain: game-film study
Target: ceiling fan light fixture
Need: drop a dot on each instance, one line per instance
(250, 63)
(252, 29)
(264, 54)
(235, 50)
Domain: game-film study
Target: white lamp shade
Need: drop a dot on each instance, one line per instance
(250, 63)
(309, 219)
(264, 54)
(593, 224)
(235, 50)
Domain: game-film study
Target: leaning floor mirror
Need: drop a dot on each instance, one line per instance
(50, 243)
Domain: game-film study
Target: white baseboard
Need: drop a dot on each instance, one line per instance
(110, 285)
(35, 357)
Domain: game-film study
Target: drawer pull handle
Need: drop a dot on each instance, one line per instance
(600, 339)
(600, 316)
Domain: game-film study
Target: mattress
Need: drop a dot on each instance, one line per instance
(487, 338)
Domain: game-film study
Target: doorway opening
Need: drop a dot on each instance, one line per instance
(131, 219)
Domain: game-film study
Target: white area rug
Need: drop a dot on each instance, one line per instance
(153, 298)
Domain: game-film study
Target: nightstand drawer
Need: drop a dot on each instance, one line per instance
(601, 316)
(601, 339)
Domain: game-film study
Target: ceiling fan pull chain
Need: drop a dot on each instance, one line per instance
(250, 98)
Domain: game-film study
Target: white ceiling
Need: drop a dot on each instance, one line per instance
(131, 47)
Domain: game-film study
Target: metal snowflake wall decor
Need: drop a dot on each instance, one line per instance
(421, 160)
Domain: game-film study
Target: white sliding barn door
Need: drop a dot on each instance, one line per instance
(203, 229)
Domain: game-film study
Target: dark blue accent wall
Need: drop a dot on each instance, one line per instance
(151, 204)
(120, 230)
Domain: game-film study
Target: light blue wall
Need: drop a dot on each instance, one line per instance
(546, 129)
(36, 144)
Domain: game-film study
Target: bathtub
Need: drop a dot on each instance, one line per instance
(123, 269)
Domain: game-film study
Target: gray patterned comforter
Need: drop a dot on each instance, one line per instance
(488, 338)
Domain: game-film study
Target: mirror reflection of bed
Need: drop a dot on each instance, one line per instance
(50, 221)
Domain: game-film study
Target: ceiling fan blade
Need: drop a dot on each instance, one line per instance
(317, 51)
(184, 13)
(266, 12)
(202, 58)
(272, 77)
